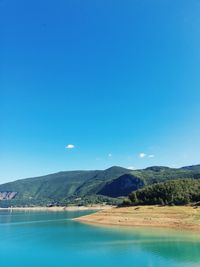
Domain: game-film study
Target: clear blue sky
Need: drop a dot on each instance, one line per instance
(119, 80)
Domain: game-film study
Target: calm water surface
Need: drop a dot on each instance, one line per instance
(52, 239)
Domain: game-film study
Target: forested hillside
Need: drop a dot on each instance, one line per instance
(86, 187)
(175, 192)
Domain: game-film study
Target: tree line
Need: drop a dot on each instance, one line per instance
(174, 192)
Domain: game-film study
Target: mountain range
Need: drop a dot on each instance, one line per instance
(86, 187)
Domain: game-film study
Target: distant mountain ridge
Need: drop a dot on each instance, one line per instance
(192, 167)
(84, 187)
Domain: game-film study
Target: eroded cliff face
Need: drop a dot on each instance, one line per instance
(7, 195)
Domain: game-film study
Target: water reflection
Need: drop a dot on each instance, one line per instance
(179, 246)
(53, 235)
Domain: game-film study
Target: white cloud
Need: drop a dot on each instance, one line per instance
(151, 156)
(70, 146)
(142, 155)
(110, 155)
(131, 168)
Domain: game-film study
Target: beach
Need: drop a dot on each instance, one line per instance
(55, 208)
(174, 217)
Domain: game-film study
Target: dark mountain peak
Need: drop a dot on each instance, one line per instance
(122, 186)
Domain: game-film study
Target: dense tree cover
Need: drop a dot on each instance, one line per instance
(174, 192)
(158, 174)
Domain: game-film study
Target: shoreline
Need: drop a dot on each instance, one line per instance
(182, 218)
(55, 208)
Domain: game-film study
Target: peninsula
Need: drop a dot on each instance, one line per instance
(173, 217)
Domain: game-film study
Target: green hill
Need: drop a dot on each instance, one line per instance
(175, 192)
(82, 187)
(60, 187)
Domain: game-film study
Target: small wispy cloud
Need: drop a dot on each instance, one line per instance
(142, 155)
(70, 146)
(151, 156)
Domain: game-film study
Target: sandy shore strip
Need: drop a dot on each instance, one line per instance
(175, 217)
(67, 208)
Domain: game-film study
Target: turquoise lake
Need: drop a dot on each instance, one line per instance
(52, 239)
